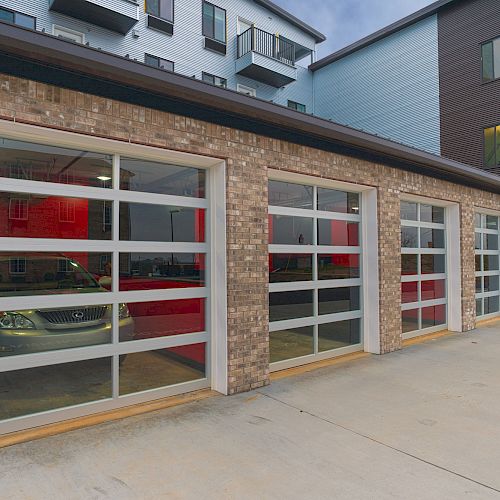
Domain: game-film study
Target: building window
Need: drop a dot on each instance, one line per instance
(164, 9)
(17, 265)
(68, 34)
(423, 268)
(243, 89)
(492, 146)
(297, 106)
(17, 18)
(18, 209)
(214, 22)
(487, 264)
(67, 211)
(214, 80)
(158, 62)
(490, 54)
(315, 280)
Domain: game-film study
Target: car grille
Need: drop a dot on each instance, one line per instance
(74, 316)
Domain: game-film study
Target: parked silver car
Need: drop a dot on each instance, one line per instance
(38, 330)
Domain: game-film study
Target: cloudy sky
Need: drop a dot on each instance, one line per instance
(345, 21)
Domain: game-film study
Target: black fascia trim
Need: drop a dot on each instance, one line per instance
(51, 75)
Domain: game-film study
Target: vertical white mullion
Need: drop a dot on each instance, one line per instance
(115, 277)
(209, 263)
(315, 271)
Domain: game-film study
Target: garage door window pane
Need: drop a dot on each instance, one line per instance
(338, 266)
(491, 305)
(287, 230)
(161, 178)
(490, 242)
(409, 292)
(341, 334)
(409, 210)
(39, 216)
(433, 289)
(479, 285)
(491, 222)
(290, 267)
(491, 283)
(338, 233)
(36, 162)
(409, 320)
(290, 305)
(154, 271)
(409, 237)
(286, 194)
(433, 316)
(479, 307)
(433, 264)
(144, 222)
(338, 300)
(34, 390)
(143, 371)
(433, 214)
(431, 238)
(330, 200)
(409, 264)
(292, 343)
(490, 262)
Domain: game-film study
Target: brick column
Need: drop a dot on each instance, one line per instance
(467, 237)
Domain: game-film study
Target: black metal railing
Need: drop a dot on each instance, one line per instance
(267, 44)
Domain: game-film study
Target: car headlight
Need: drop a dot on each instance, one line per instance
(123, 311)
(12, 320)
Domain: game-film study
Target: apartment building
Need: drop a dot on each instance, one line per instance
(160, 234)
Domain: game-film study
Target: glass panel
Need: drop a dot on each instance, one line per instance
(153, 271)
(433, 290)
(290, 267)
(330, 200)
(42, 216)
(338, 233)
(491, 242)
(47, 273)
(478, 241)
(479, 307)
(478, 263)
(287, 230)
(433, 316)
(489, 147)
(338, 300)
(496, 58)
(479, 284)
(430, 213)
(432, 264)
(491, 222)
(208, 20)
(340, 334)
(490, 262)
(40, 330)
(25, 21)
(409, 237)
(153, 7)
(338, 266)
(143, 222)
(409, 264)
(409, 320)
(161, 178)
(491, 304)
(147, 320)
(498, 143)
(286, 194)
(487, 57)
(289, 344)
(220, 24)
(431, 238)
(409, 210)
(477, 220)
(143, 371)
(34, 390)
(167, 9)
(290, 305)
(409, 292)
(35, 162)
(491, 283)
(6, 15)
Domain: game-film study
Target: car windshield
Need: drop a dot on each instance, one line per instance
(46, 274)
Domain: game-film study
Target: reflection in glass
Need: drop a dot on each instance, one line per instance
(161, 178)
(433, 316)
(40, 273)
(429, 213)
(478, 261)
(338, 300)
(409, 292)
(164, 318)
(338, 233)
(409, 320)
(36, 162)
(491, 242)
(286, 194)
(431, 238)
(477, 241)
(491, 222)
(409, 264)
(340, 334)
(331, 200)
(433, 264)
(153, 271)
(143, 371)
(479, 307)
(290, 305)
(491, 283)
(144, 222)
(289, 230)
(44, 388)
(409, 237)
(41, 216)
(292, 343)
(290, 267)
(433, 289)
(338, 266)
(491, 304)
(479, 285)
(409, 210)
(490, 262)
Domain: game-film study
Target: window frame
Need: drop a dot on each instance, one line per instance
(205, 74)
(171, 21)
(158, 58)
(295, 106)
(213, 6)
(69, 31)
(493, 69)
(496, 146)
(15, 13)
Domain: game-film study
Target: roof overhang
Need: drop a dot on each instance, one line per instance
(45, 58)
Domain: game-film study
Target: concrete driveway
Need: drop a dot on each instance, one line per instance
(422, 423)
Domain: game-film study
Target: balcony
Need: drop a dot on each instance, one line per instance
(267, 58)
(115, 15)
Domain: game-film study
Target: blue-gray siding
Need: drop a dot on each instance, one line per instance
(390, 88)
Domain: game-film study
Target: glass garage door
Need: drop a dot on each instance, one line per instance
(103, 282)
(315, 308)
(423, 268)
